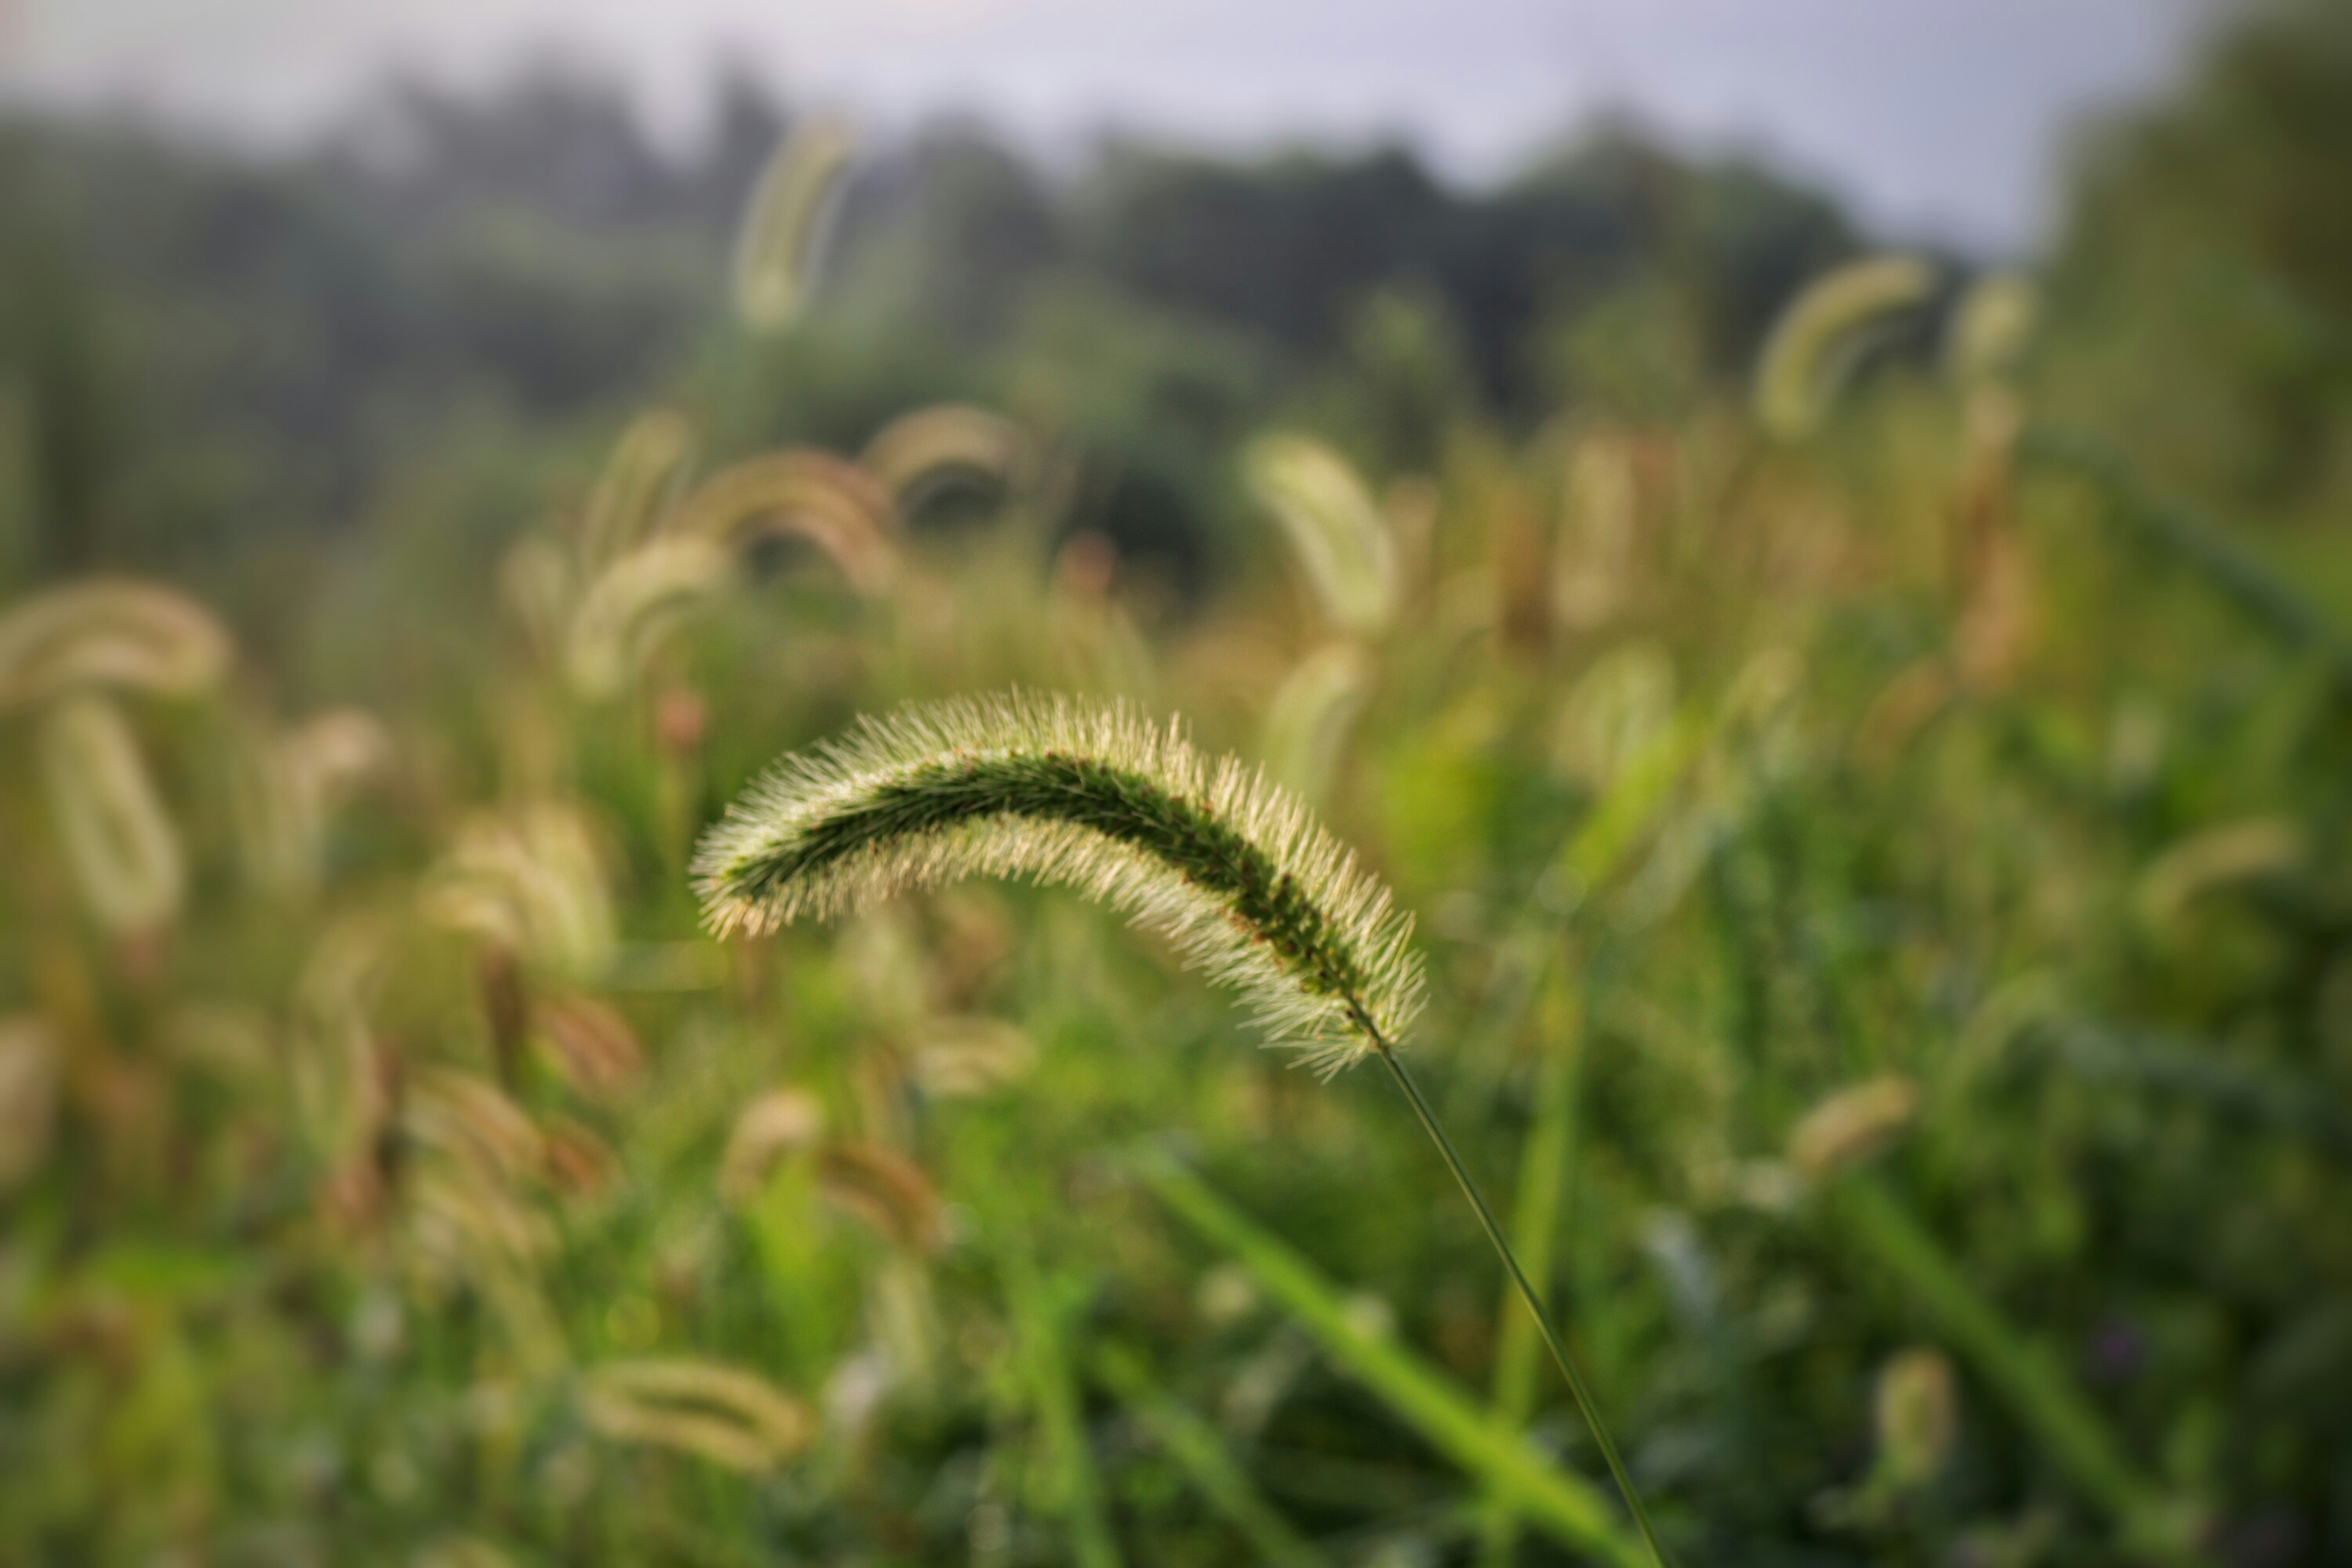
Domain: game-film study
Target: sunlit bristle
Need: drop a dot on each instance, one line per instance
(1817, 339)
(132, 636)
(1092, 796)
(781, 244)
(1337, 529)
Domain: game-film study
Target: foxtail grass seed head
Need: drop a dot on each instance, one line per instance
(1815, 343)
(966, 1056)
(1915, 1409)
(777, 1124)
(821, 500)
(127, 636)
(1592, 551)
(1338, 530)
(634, 606)
(468, 1121)
(1613, 712)
(125, 855)
(919, 452)
(1308, 722)
(706, 1408)
(779, 247)
(1854, 1126)
(532, 882)
(539, 585)
(640, 479)
(588, 1046)
(1091, 795)
(2231, 853)
(286, 784)
(1991, 328)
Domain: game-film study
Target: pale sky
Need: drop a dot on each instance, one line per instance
(1938, 118)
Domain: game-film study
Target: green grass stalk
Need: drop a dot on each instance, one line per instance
(1449, 1418)
(1198, 1450)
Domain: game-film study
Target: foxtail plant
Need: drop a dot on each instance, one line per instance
(634, 606)
(1817, 339)
(1337, 529)
(782, 241)
(830, 502)
(917, 453)
(121, 635)
(117, 837)
(1098, 797)
(640, 479)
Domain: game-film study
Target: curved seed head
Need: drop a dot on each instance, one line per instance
(828, 502)
(707, 1408)
(917, 452)
(633, 604)
(1816, 342)
(1311, 713)
(1854, 1126)
(1991, 328)
(781, 239)
(1338, 532)
(130, 636)
(1091, 795)
(532, 882)
(124, 853)
(636, 485)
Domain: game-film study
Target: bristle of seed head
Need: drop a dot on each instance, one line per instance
(1093, 795)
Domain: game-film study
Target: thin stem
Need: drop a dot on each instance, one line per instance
(1527, 1293)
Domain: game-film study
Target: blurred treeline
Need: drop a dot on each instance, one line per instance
(213, 357)
(219, 355)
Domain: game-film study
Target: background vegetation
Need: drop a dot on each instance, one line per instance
(1883, 881)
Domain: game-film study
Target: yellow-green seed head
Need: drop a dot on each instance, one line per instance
(1096, 796)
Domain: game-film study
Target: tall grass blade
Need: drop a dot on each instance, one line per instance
(1198, 1450)
(1563, 1506)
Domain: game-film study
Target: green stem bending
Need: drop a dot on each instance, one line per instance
(1551, 1339)
(2025, 1377)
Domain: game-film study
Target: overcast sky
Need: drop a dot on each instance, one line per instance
(1936, 117)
